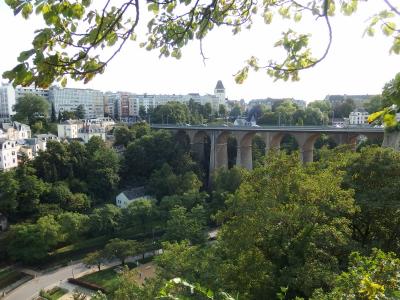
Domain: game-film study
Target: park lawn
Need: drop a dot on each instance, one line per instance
(105, 278)
(9, 276)
(58, 294)
(54, 293)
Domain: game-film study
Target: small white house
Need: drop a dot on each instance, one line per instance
(358, 118)
(124, 198)
(68, 129)
(88, 131)
(8, 154)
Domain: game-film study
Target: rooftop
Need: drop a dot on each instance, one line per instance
(219, 85)
(134, 193)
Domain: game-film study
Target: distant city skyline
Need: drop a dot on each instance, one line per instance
(355, 65)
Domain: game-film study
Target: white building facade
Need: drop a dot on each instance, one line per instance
(8, 154)
(7, 101)
(358, 118)
(125, 198)
(68, 129)
(86, 132)
(68, 99)
(21, 91)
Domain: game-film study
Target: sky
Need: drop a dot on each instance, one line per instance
(355, 64)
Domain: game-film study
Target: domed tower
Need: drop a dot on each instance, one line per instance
(219, 91)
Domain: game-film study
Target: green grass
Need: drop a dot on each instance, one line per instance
(9, 276)
(53, 294)
(58, 294)
(105, 278)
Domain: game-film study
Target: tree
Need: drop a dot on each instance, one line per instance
(78, 158)
(224, 183)
(376, 193)
(391, 104)
(59, 193)
(344, 109)
(207, 110)
(95, 143)
(30, 108)
(367, 277)
(164, 182)
(95, 258)
(172, 113)
(148, 153)
(40, 237)
(140, 129)
(222, 110)
(80, 112)
(53, 164)
(186, 225)
(105, 220)
(286, 220)
(236, 111)
(122, 249)
(79, 202)
(323, 105)
(139, 214)
(72, 226)
(142, 112)
(123, 135)
(53, 116)
(171, 27)
(103, 167)
(9, 186)
(182, 260)
(374, 104)
(30, 191)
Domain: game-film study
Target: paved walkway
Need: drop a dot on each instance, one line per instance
(59, 277)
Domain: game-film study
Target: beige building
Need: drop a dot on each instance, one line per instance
(15, 131)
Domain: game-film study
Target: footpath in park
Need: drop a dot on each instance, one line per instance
(59, 277)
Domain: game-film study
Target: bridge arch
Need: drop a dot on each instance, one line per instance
(200, 145)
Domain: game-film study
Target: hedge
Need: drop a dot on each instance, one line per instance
(86, 284)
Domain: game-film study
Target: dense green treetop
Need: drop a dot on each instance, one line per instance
(31, 108)
(122, 249)
(40, 237)
(285, 221)
(368, 277)
(75, 33)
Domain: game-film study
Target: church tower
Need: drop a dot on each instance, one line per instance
(219, 92)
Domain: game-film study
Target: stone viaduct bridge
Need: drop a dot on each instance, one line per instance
(272, 136)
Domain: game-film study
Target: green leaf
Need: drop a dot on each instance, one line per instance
(24, 55)
(154, 7)
(268, 17)
(388, 28)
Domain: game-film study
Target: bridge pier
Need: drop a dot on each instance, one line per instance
(244, 154)
(306, 145)
(392, 140)
(272, 140)
(219, 151)
(198, 150)
(345, 139)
